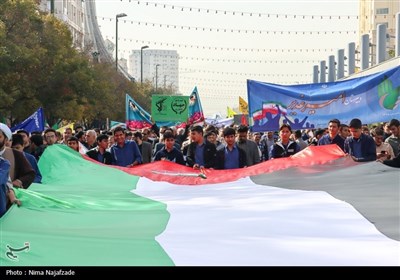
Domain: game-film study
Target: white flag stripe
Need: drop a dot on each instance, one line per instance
(241, 223)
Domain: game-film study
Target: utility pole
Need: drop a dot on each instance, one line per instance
(116, 38)
(141, 63)
(52, 7)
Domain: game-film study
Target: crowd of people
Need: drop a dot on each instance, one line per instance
(195, 146)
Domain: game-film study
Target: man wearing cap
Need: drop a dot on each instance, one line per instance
(21, 172)
(359, 146)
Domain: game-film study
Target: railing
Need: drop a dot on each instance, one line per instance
(96, 38)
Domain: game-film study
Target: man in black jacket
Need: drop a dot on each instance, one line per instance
(200, 154)
(231, 156)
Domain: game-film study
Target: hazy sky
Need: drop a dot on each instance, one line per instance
(275, 53)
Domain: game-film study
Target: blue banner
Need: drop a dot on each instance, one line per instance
(34, 122)
(196, 114)
(373, 98)
(136, 116)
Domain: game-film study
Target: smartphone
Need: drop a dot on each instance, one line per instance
(383, 152)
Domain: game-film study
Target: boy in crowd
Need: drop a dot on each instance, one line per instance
(201, 153)
(18, 144)
(285, 147)
(231, 156)
(359, 146)
(73, 143)
(100, 152)
(169, 151)
(333, 136)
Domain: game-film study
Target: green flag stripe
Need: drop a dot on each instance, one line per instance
(83, 214)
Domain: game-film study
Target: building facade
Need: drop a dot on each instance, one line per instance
(123, 62)
(374, 12)
(166, 74)
(72, 13)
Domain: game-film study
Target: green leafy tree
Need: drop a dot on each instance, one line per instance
(40, 67)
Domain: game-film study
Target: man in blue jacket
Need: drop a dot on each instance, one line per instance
(359, 146)
(124, 153)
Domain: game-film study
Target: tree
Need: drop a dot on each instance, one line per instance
(40, 67)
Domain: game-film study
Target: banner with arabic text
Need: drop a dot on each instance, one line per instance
(373, 98)
(34, 122)
(170, 108)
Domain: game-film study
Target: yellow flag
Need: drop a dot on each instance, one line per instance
(243, 106)
(62, 129)
(230, 113)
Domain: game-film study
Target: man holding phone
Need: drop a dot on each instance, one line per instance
(383, 150)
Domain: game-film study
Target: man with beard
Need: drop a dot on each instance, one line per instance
(249, 146)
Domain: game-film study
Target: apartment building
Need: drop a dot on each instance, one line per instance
(166, 74)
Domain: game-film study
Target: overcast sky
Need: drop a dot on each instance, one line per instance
(279, 55)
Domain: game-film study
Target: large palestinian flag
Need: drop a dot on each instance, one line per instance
(316, 208)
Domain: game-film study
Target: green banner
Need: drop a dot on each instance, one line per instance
(170, 108)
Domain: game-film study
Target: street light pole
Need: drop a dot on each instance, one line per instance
(141, 63)
(52, 7)
(116, 38)
(157, 75)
